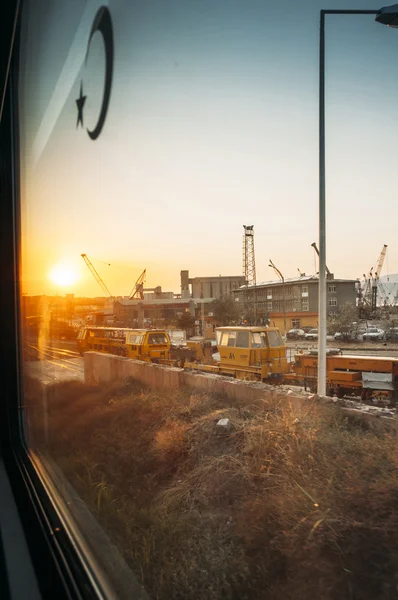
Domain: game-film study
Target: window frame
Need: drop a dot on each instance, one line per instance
(57, 561)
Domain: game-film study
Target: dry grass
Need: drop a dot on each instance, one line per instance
(291, 503)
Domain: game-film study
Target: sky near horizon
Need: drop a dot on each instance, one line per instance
(212, 123)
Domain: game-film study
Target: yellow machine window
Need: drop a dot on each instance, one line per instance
(136, 339)
(259, 339)
(231, 338)
(275, 339)
(242, 339)
(223, 341)
(157, 338)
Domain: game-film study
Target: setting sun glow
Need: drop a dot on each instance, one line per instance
(63, 275)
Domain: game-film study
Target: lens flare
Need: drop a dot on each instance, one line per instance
(64, 275)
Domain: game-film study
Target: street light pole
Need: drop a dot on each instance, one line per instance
(271, 264)
(322, 296)
(322, 219)
(203, 319)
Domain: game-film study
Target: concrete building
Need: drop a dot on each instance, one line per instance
(209, 287)
(156, 310)
(299, 297)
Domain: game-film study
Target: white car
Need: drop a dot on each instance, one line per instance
(311, 335)
(346, 336)
(374, 334)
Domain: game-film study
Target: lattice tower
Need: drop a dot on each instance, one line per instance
(249, 260)
(249, 270)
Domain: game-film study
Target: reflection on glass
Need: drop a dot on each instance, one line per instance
(151, 134)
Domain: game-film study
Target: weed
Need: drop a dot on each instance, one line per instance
(294, 502)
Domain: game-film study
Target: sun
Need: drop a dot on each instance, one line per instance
(63, 275)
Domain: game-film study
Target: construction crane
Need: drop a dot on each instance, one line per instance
(376, 277)
(317, 251)
(138, 289)
(395, 301)
(367, 291)
(97, 276)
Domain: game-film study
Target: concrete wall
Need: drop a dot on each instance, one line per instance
(346, 292)
(103, 368)
(306, 319)
(313, 296)
(215, 287)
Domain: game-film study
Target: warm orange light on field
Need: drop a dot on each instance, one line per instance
(64, 275)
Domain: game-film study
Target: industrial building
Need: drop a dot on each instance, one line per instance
(160, 308)
(209, 287)
(297, 299)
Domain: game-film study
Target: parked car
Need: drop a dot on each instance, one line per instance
(295, 334)
(345, 336)
(392, 334)
(311, 335)
(306, 329)
(374, 334)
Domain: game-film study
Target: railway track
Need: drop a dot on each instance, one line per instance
(53, 364)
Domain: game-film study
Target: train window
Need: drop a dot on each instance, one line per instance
(175, 118)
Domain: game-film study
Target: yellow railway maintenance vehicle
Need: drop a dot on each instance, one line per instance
(370, 377)
(251, 353)
(102, 339)
(149, 345)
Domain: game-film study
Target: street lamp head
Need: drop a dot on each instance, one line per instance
(388, 15)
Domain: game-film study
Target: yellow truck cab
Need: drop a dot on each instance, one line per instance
(150, 345)
(252, 352)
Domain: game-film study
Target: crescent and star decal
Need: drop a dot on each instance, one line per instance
(103, 24)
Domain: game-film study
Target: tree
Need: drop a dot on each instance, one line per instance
(185, 321)
(344, 321)
(226, 310)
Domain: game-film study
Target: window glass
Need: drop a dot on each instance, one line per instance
(157, 338)
(259, 339)
(242, 339)
(176, 119)
(274, 339)
(135, 339)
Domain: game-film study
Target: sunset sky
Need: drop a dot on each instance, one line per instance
(212, 124)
